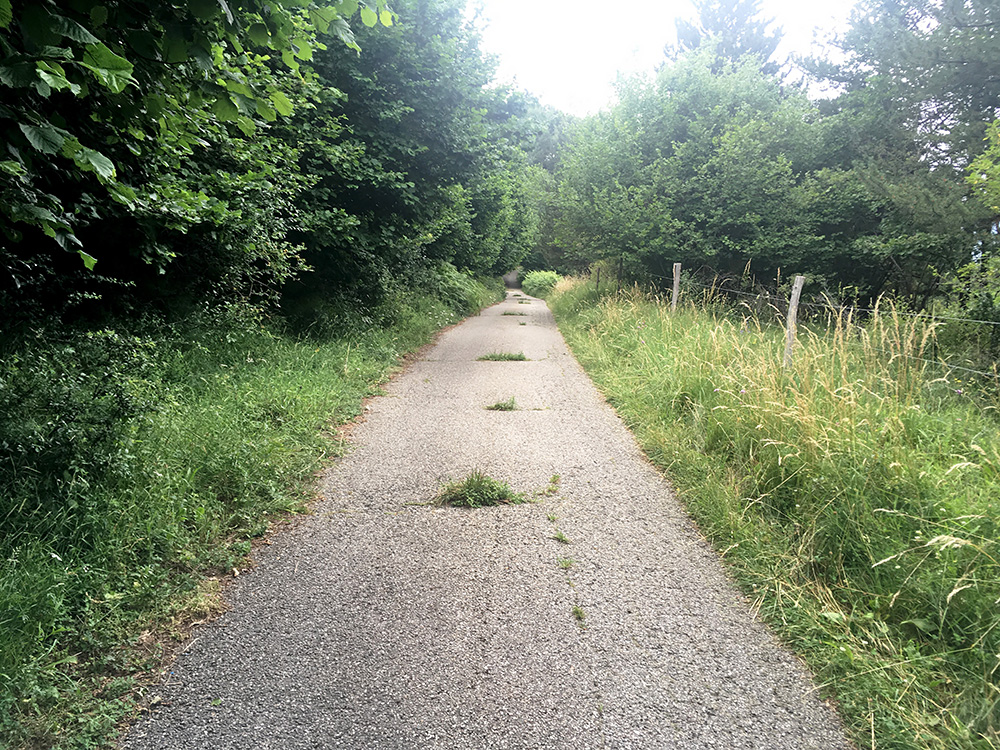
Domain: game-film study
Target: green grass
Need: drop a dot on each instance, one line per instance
(560, 537)
(503, 357)
(508, 405)
(478, 490)
(565, 562)
(855, 496)
(521, 314)
(578, 614)
(133, 467)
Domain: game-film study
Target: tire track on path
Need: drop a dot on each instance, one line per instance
(377, 623)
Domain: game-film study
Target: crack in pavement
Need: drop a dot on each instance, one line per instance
(379, 622)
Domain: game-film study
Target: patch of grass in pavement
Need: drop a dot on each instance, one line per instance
(508, 405)
(514, 313)
(565, 562)
(560, 537)
(478, 490)
(503, 357)
(578, 614)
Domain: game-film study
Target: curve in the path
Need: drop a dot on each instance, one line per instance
(380, 623)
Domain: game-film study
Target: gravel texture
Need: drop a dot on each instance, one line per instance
(379, 622)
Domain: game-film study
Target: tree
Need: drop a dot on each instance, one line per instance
(106, 107)
(736, 30)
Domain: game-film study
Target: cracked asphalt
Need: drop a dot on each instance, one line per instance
(383, 622)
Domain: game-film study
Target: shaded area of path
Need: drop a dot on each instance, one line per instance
(377, 623)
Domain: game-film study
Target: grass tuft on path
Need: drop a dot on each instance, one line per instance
(478, 490)
(503, 357)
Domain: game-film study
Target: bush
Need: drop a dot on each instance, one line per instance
(540, 283)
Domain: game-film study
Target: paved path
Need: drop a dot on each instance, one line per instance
(381, 624)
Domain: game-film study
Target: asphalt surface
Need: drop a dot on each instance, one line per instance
(380, 622)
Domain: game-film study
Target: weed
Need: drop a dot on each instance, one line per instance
(503, 357)
(524, 302)
(565, 562)
(522, 323)
(552, 517)
(560, 537)
(508, 405)
(508, 312)
(478, 490)
(578, 614)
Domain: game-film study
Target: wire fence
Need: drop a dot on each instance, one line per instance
(852, 314)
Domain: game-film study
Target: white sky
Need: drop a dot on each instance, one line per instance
(569, 52)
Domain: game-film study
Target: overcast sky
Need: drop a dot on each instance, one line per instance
(569, 53)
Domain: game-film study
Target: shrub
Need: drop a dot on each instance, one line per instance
(540, 283)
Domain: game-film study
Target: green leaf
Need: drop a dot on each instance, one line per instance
(46, 138)
(72, 30)
(266, 112)
(12, 167)
(259, 34)
(368, 17)
(289, 59)
(225, 109)
(281, 103)
(342, 30)
(99, 15)
(19, 75)
(6, 14)
(246, 125)
(89, 160)
(225, 9)
(347, 8)
(110, 70)
(204, 10)
(322, 18)
(88, 260)
(385, 17)
(303, 50)
(173, 46)
(238, 87)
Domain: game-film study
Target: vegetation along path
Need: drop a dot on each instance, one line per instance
(593, 617)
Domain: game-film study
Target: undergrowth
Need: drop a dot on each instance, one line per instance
(133, 465)
(855, 496)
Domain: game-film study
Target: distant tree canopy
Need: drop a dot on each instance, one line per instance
(736, 29)
(718, 163)
(170, 153)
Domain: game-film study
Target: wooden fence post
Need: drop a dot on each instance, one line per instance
(598, 281)
(621, 263)
(677, 286)
(793, 312)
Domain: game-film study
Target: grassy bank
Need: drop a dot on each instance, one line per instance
(855, 497)
(138, 468)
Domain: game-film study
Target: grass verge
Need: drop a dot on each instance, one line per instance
(854, 497)
(135, 469)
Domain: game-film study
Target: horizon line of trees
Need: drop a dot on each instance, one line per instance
(721, 160)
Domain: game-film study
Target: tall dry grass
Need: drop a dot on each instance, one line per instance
(855, 495)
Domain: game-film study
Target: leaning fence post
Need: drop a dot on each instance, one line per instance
(677, 286)
(793, 312)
